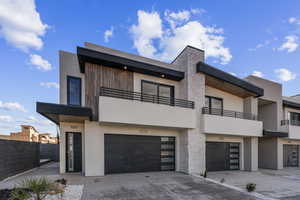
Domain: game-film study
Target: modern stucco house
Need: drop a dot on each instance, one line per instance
(120, 112)
(281, 121)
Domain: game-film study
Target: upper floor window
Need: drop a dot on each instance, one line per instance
(73, 91)
(157, 92)
(157, 89)
(294, 116)
(213, 102)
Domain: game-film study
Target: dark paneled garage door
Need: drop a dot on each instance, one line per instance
(222, 156)
(290, 155)
(132, 153)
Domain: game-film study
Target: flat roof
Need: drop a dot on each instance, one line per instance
(53, 111)
(115, 61)
(224, 76)
(275, 133)
(291, 104)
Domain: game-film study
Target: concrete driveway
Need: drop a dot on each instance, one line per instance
(139, 186)
(156, 186)
(278, 184)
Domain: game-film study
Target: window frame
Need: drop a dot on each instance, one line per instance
(157, 89)
(216, 98)
(68, 90)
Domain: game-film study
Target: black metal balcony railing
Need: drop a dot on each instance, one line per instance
(290, 122)
(228, 113)
(124, 94)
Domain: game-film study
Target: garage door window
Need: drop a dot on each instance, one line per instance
(167, 153)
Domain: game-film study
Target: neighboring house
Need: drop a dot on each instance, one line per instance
(120, 112)
(30, 134)
(46, 138)
(4, 137)
(281, 120)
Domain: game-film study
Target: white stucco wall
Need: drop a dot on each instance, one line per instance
(232, 126)
(115, 110)
(69, 66)
(230, 101)
(69, 127)
(222, 138)
(94, 143)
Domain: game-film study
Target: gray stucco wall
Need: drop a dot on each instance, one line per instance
(268, 153)
(17, 157)
(272, 94)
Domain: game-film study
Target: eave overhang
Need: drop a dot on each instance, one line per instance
(275, 133)
(226, 77)
(96, 57)
(63, 113)
(291, 104)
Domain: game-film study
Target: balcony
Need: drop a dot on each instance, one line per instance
(127, 107)
(292, 127)
(227, 122)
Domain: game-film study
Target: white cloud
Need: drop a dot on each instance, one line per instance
(290, 45)
(257, 73)
(108, 34)
(6, 118)
(14, 106)
(293, 20)
(40, 63)
(182, 32)
(232, 73)
(21, 24)
(284, 74)
(261, 45)
(149, 27)
(183, 15)
(50, 85)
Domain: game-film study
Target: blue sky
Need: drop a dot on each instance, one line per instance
(240, 37)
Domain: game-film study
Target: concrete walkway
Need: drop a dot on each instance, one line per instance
(278, 184)
(139, 186)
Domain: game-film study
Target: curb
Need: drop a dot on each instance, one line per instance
(254, 194)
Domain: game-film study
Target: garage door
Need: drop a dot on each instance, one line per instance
(290, 155)
(132, 153)
(222, 156)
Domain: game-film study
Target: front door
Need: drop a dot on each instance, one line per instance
(290, 155)
(222, 156)
(73, 152)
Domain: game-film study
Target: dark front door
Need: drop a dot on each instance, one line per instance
(133, 153)
(73, 152)
(290, 155)
(222, 156)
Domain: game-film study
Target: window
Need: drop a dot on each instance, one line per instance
(214, 104)
(151, 91)
(73, 91)
(294, 118)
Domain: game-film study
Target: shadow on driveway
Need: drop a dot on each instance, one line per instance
(138, 186)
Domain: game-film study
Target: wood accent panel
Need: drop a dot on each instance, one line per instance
(227, 87)
(97, 76)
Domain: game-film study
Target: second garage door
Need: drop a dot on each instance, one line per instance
(222, 156)
(134, 153)
(290, 155)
